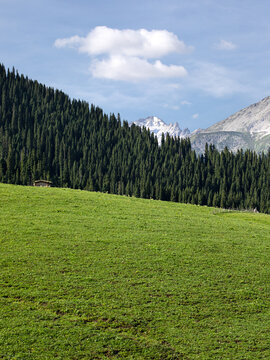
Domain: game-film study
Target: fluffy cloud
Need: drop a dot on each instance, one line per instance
(118, 67)
(141, 43)
(225, 45)
(123, 54)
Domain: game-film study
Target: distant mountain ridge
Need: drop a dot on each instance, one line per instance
(248, 128)
(158, 126)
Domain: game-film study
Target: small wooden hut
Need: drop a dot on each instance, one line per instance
(43, 183)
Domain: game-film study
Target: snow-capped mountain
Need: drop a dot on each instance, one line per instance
(248, 128)
(158, 126)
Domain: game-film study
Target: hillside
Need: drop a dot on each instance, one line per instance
(46, 135)
(98, 276)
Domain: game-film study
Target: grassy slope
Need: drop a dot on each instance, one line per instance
(95, 276)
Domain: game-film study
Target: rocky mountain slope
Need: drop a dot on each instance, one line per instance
(248, 128)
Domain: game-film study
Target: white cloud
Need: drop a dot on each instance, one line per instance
(141, 43)
(185, 102)
(225, 45)
(124, 54)
(118, 67)
(173, 86)
(195, 116)
(171, 107)
(71, 42)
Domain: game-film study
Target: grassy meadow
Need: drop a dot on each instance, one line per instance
(95, 276)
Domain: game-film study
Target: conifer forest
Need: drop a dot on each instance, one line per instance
(46, 135)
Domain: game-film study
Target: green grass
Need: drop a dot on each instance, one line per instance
(94, 276)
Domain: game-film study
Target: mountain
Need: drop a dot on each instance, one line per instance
(248, 128)
(158, 126)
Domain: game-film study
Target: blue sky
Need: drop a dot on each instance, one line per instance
(195, 62)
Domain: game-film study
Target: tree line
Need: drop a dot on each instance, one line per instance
(44, 134)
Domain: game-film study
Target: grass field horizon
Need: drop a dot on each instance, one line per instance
(89, 275)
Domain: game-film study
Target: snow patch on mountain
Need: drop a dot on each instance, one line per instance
(158, 126)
